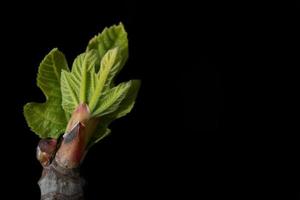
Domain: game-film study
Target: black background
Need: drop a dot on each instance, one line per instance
(173, 143)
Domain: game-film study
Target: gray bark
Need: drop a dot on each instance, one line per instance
(59, 183)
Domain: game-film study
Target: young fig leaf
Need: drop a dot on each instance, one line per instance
(48, 119)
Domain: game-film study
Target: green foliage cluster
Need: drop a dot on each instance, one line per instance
(90, 81)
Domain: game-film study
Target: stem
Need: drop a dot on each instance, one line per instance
(60, 178)
(59, 183)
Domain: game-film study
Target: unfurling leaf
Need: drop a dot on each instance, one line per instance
(114, 36)
(112, 99)
(109, 66)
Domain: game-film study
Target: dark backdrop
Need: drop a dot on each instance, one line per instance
(172, 144)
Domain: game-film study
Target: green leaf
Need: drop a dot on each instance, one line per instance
(110, 65)
(124, 108)
(78, 85)
(69, 90)
(84, 63)
(129, 100)
(48, 119)
(114, 36)
(108, 69)
(111, 100)
(102, 131)
(92, 83)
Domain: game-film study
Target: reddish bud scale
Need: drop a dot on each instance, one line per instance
(78, 132)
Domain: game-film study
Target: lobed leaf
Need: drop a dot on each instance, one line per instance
(48, 119)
